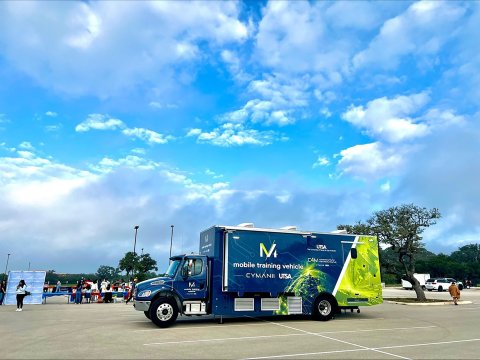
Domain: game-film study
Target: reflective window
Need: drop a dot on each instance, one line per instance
(193, 267)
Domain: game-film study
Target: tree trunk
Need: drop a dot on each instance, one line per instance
(418, 289)
(409, 271)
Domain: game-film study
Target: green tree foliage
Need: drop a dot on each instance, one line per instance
(145, 264)
(128, 262)
(140, 266)
(107, 272)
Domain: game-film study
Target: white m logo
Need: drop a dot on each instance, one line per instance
(268, 253)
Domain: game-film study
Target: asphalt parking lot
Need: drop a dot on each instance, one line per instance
(58, 330)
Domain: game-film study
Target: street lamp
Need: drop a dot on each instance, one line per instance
(171, 240)
(6, 267)
(134, 246)
(135, 242)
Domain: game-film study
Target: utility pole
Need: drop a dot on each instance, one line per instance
(134, 253)
(171, 240)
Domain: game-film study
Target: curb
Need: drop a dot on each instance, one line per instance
(427, 304)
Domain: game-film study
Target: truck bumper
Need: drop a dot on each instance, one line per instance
(142, 305)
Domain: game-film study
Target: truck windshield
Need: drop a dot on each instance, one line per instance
(172, 268)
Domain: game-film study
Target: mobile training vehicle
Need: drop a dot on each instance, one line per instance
(243, 270)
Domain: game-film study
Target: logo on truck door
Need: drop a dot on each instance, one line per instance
(268, 253)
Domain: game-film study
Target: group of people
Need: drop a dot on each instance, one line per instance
(84, 289)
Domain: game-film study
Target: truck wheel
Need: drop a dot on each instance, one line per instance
(324, 308)
(147, 314)
(164, 312)
(440, 289)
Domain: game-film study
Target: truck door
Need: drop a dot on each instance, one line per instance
(191, 282)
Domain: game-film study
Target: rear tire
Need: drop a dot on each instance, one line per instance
(163, 312)
(324, 307)
(440, 289)
(460, 287)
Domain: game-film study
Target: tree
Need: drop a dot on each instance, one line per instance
(401, 227)
(107, 272)
(146, 264)
(128, 262)
(140, 266)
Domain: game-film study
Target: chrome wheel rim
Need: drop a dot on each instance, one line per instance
(164, 312)
(324, 307)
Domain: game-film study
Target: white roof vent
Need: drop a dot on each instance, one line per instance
(289, 228)
(343, 231)
(246, 225)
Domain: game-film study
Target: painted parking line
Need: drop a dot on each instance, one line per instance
(343, 341)
(223, 339)
(365, 349)
(302, 333)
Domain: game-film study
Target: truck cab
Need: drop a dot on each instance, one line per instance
(183, 289)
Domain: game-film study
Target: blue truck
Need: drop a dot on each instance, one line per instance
(247, 271)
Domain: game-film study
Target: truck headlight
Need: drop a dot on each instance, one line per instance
(144, 293)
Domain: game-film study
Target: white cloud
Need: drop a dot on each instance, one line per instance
(149, 136)
(108, 56)
(389, 119)
(372, 161)
(26, 145)
(159, 105)
(422, 30)
(321, 161)
(385, 187)
(99, 122)
(104, 122)
(276, 101)
(230, 134)
(51, 114)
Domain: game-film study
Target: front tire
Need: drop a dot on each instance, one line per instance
(163, 312)
(324, 308)
(440, 289)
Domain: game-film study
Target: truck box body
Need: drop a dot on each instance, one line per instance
(259, 271)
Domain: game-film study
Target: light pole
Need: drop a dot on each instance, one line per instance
(134, 246)
(135, 242)
(6, 267)
(171, 240)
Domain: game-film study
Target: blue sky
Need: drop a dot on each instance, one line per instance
(314, 114)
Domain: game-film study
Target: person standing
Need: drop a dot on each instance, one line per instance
(88, 293)
(21, 288)
(3, 291)
(454, 292)
(59, 284)
(78, 294)
(132, 288)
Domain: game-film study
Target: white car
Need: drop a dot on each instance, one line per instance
(441, 284)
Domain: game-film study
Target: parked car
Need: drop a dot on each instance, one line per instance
(441, 284)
